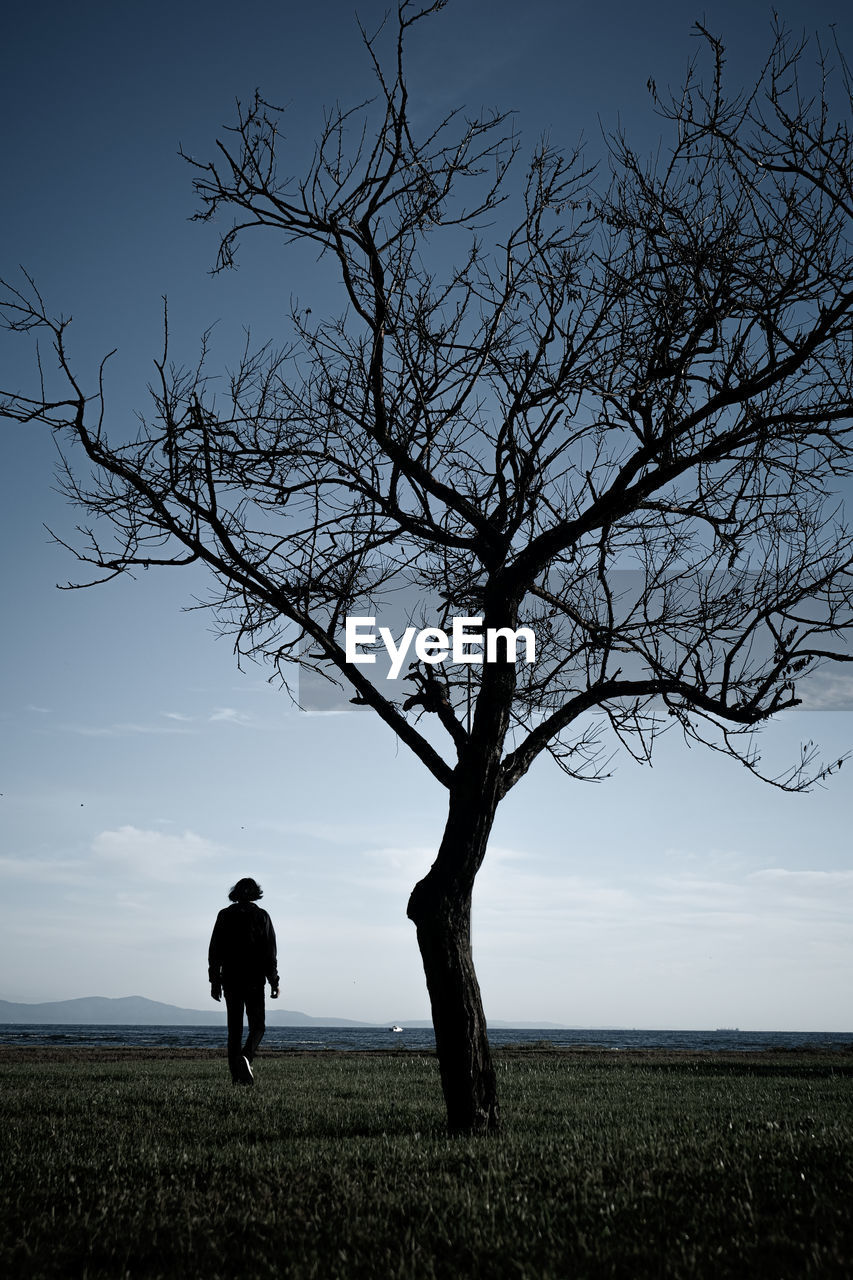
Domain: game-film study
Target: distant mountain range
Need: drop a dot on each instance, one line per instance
(134, 1010)
(137, 1010)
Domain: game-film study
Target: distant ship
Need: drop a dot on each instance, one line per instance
(395, 1028)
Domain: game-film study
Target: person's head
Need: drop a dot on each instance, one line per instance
(246, 890)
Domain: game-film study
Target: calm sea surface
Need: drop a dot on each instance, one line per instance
(416, 1038)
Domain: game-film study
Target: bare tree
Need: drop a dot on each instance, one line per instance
(618, 419)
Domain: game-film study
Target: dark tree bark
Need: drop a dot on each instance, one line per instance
(440, 904)
(440, 907)
(443, 920)
(652, 372)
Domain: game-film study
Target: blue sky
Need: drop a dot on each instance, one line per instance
(142, 773)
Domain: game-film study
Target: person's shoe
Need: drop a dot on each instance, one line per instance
(248, 1074)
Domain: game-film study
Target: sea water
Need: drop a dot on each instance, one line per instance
(416, 1038)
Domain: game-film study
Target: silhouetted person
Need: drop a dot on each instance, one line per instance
(241, 958)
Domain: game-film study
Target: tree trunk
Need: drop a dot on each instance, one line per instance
(440, 907)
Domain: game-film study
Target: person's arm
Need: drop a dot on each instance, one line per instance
(214, 961)
(271, 964)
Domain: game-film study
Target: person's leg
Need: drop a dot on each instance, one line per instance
(234, 1003)
(255, 1015)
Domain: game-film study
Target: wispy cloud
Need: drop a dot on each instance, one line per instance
(330, 711)
(229, 715)
(124, 730)
(395, 868)
(348, 832)
(821, 881)
(829, 689)
(153, 855)
(825, 896)
(59, 870)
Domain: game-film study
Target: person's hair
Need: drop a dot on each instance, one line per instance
(246, 890)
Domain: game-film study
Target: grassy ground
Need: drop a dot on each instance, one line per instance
(677, 1166)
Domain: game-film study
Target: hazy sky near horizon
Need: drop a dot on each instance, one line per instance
(142, 773)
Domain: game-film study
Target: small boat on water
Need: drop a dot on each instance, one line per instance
(395, 1028)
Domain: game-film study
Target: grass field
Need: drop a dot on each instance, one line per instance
(130, 1165)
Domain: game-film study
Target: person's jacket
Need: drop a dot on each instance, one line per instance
(242, 946)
